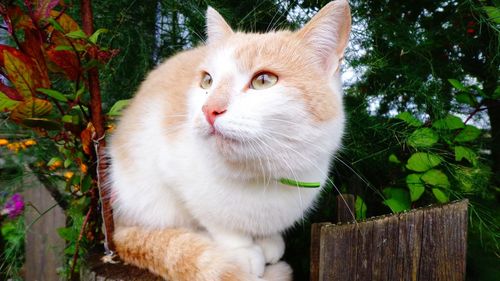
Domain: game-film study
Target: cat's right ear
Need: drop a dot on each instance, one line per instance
(217, 27)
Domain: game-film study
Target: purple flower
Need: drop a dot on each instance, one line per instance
(14, 207)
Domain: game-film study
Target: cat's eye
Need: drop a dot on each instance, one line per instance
(263, 80)
(206, 81)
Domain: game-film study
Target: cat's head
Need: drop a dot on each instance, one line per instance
(271, 103)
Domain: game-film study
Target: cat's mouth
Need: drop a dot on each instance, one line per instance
(223, 138)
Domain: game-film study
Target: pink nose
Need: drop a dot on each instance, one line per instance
(212, 112)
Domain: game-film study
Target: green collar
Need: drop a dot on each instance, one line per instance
(300, 183)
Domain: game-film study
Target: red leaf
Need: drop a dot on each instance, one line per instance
(24, 72)
(32, 46)
(40, 9)
(6, 48)
(67, 60)
(66, 22)
(16, 19)
(11, 93)
(30, 108)
(105, 56)
(44, 7)
(20, 71)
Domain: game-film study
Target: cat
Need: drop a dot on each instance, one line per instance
(203, 156)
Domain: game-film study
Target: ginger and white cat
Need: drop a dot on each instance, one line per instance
(198, 156)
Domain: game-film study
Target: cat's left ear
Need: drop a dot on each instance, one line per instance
(327, 33)
(217, 27)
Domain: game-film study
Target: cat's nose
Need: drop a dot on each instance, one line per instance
(213, 111)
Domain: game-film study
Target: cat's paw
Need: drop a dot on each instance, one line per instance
(273, 247)
(250, 259)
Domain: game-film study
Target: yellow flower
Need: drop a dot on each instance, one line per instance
(110, 128)
(68, 175)
(84, 168)
(55, 165)
(29, 142)
(4, 142)
(13, 147)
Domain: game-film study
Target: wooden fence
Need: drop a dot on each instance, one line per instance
(423, 244)
(44, 247)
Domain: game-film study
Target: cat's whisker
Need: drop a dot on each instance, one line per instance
(291, 171)
(315, 166)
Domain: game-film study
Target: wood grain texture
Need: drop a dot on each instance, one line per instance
(44, 246)
(424, 244)
(346, 208)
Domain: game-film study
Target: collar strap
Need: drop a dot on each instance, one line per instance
(300, 183)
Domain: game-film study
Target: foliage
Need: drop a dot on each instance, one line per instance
(45, 64)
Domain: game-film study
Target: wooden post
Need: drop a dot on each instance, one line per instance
(346, 208)
(96, 270)
(423, 244)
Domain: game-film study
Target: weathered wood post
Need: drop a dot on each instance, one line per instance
(423, 244)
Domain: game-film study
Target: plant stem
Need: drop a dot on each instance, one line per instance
(98, 122)
(77, 244)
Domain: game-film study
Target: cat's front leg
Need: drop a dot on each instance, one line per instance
(273, 247)
(242, 248)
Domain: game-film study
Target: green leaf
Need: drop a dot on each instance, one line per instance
(457, 85)
(467, 153)
(424, 137)
(93, 38)
(398, 199)
(421, 161)
(469, 133)
(55, 24)
(67, 233)
(63, 48)
(118, 107)
(436, 178)
(394, 159)
(53, 160)
(72, 119)
(361, 208)
(409, 119)
(80, 92)
(450, 122)
(415, 185)
(496, 94)
(70, 250)
(7, 228)
(77, 34)
(67, 119)
(43, 123)
(440, 195)
(466, 98)
(67, 163)
(86, 183)
(493, 13)
(6, 103)
(53, 94)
